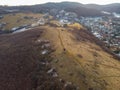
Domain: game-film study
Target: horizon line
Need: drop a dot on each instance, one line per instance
(59, 2)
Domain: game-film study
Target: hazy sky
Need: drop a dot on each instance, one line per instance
(31, 2)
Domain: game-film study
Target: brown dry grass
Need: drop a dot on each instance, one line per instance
(96, 69)
(15, 20)
(78, 58)
(21, 65)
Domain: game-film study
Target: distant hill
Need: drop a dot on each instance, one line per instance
(115, 7)
(80, 9)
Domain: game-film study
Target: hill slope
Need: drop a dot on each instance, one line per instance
(83, 61)
(115, 7)
(68, 6)
(23, 66)
(56, 58)
(80, 9)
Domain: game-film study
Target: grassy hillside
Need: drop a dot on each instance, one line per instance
(80, 60)
(72, 53)
(18, 19)
(23, 66)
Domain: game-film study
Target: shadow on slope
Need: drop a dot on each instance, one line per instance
(23, 67)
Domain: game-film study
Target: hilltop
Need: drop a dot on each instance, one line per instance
(57, 58)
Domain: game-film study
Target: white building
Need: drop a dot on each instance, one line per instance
(41, 21)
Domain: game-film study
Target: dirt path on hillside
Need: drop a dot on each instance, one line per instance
(77, 61)
(67, 52)
(60, 38)
(23, 67)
